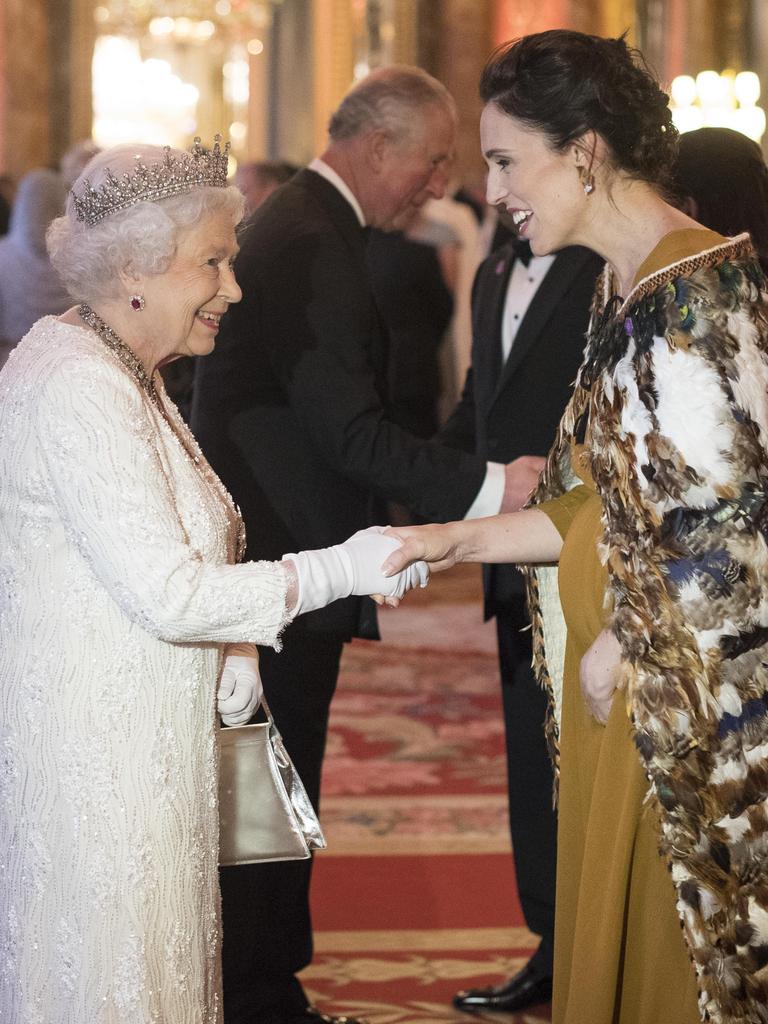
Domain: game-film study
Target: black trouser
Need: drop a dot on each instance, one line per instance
(265, 907)
(532, 820)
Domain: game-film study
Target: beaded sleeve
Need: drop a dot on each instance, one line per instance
(109, 483)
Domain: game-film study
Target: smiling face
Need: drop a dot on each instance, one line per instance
(414, 169)
(186, 303)
(538, 186)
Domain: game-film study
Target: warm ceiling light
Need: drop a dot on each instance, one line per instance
(683, 90)
(725, 100)
(161, 26)
(746, 85)
(237, 131)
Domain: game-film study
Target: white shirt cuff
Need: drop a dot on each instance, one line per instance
(491, 494)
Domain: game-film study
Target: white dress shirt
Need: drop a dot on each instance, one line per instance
(321, 167)
(523, 282)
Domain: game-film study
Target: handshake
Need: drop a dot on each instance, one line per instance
(322, 576)
(354, 567)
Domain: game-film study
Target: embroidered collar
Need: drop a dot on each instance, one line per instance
(738, 246)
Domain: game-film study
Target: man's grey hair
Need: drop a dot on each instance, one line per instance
(390, 99)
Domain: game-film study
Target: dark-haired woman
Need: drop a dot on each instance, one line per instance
(722, 181)
(653, 502)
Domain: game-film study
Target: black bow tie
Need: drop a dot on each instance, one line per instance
(521, 247)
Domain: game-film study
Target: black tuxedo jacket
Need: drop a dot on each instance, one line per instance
(514, 410)
(290, 407)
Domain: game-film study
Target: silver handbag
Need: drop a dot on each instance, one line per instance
(264, 811)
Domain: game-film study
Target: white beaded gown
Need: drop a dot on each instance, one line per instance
(115, 600)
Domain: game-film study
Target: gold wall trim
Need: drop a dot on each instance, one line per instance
(333, 61)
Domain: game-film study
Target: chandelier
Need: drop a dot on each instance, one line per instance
(164, 70)
(186, 21)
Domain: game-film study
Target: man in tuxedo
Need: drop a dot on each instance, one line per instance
(290, 410)
(529, 318)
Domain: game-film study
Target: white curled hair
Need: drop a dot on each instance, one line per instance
(142, 239)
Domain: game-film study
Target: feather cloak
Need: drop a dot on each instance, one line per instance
(672, 402)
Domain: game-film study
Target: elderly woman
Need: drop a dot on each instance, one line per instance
(118, 593)
(654, 502)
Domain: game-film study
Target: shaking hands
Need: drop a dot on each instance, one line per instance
(354, 567)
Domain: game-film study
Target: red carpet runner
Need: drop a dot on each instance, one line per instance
(415, 897)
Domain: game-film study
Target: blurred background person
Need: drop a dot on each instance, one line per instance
(458, 218)
(412, 277)
(7, 190)
(722, 181)
(258, 179)
(29, 286)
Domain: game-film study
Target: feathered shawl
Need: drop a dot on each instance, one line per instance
(672, 401)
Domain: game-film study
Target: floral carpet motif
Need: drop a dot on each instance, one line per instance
(422, 1012)
(408, 718)
(415, 897)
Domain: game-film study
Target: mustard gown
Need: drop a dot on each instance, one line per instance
(620, 957)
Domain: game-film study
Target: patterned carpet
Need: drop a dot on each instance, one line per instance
(415, 897)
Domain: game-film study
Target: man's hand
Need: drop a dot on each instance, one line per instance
(599, 675)
(521, 476)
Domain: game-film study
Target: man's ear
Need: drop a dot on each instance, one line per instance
(377, 146)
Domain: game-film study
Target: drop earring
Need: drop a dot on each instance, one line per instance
(587, 181)
(137, 302)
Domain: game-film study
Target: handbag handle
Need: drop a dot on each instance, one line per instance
(263, 705)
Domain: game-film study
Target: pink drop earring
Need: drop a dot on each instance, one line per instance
(137, 302)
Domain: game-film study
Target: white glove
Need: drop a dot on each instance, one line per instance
(239, 689)
(354, 567)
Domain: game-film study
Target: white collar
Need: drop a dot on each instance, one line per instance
(321, 167)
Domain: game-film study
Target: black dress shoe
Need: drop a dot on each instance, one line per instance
(314, 1016)
(525, 989)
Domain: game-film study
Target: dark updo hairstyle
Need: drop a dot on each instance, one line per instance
(565, 83)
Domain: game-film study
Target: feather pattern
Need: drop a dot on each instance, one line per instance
(672, 401)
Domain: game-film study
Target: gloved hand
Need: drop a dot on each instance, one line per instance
(354, 567)
(239, 689)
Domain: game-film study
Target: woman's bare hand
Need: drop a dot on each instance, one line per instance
(435, 544)
(599, 675)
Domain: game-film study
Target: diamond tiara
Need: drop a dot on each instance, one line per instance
(147, 183)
